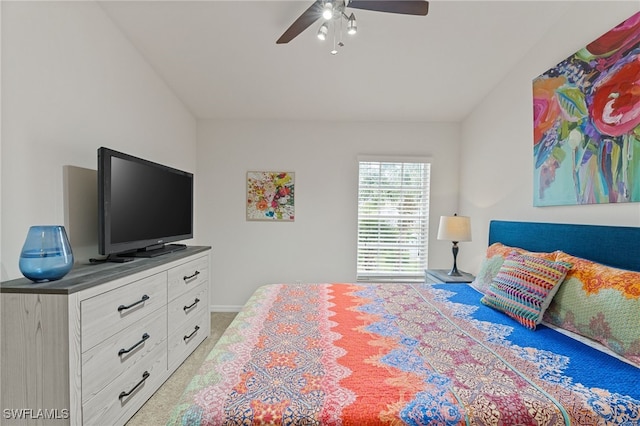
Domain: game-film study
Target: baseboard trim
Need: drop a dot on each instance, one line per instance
(225, 308)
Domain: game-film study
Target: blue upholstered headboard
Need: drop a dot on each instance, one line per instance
(617, 246)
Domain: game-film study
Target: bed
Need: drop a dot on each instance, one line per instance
(447, 354)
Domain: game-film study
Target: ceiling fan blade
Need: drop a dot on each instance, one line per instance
(303, 22)
(405, 7)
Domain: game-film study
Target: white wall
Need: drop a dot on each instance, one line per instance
(0, 158)
(497, 138)
(320, 246)
(72, 83)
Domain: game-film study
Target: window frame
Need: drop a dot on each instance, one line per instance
(415, 275)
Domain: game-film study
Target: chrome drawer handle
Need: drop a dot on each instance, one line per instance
(122, 307)
(185, 338)
(145, 376)
(188, 277)
(195, 302)
(121, 352)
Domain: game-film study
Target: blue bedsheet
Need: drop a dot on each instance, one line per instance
(586, 365)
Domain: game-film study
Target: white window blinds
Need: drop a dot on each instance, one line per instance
(393, 220)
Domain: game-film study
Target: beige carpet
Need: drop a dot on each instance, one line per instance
(156, 411)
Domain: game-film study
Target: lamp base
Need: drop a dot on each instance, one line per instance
(454, 272)
(437, 276)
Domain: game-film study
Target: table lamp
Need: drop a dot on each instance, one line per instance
(455, 229)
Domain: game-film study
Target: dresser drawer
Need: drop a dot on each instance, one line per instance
(106, 314)
(190, 305)
(122, 352)
(124, 395)
(188, 275)
(186, 338)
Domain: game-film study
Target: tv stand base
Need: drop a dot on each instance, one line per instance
(155, 251)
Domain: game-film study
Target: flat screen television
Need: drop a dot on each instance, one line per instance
(142, 206)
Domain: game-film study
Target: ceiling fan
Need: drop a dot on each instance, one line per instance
(334, 9)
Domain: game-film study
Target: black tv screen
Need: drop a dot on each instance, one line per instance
(142, 205)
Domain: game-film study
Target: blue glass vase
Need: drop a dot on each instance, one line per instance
(46, 254)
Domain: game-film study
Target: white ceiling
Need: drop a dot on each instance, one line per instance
(221, 59)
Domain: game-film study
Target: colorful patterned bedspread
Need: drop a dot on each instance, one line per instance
(369, 354)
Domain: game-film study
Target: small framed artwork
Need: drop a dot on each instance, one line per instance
(271, 196)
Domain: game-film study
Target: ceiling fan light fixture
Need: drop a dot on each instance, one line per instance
(352, 27)
(323, 31)
(327, 10)
(334, 11)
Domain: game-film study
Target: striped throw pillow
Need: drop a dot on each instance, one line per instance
(524, 287)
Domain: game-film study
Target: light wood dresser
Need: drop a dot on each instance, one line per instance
(90, 349)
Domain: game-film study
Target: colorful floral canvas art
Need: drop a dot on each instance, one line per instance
(586, 113)
(270, 196)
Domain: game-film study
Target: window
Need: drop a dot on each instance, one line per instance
(393, 219)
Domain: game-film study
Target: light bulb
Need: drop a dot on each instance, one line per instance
(352, 28)
(327, 10)
(323, 31)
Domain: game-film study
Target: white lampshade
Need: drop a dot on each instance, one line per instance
(454, 228)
